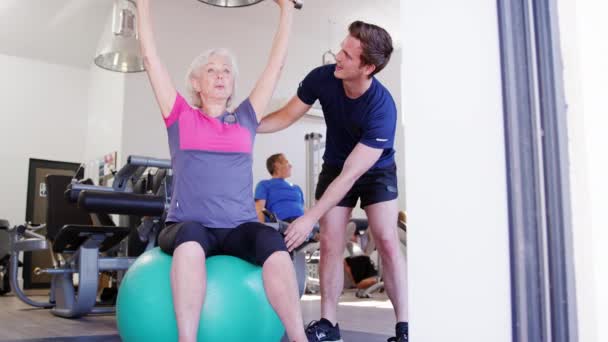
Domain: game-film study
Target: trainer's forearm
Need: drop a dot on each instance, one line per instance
(275, 121)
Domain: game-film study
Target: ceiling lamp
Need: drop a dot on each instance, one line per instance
(122, 53)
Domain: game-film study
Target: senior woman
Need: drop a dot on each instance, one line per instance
(212, 211)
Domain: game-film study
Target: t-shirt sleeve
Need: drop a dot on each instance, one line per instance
(246, 115)
(379, 129)
(261, 191)
(180, 105)
(308, 91)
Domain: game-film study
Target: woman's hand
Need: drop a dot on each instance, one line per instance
(284, 3)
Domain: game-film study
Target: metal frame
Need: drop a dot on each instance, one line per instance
(542, 271)
(314, 162)
(553, 115)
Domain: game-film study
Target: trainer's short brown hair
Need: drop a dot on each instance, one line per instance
(376, 43)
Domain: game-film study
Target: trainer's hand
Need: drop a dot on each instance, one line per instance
(298, 231)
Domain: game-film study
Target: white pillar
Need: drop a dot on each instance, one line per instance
(456, 195)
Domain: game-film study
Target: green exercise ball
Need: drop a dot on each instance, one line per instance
(235, 307)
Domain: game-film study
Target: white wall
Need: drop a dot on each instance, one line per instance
(44, 115)
(106, 93)
(579, 172)
(105, 112)
(186, 28)
(143, 131)
(594, 53)
(585, 49)
(456, 196)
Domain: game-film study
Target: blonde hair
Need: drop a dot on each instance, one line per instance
(198, 62)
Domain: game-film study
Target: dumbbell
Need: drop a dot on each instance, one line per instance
(240, 3)
(298, 4)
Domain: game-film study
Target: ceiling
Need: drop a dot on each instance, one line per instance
(68, 32)
(55, 31)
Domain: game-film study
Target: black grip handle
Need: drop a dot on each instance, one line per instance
(121, 203)
(149, 162)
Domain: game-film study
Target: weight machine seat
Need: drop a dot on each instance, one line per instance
(121, 203)
(71, 237)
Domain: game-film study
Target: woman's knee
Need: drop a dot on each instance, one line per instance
(278, 255)
(189, 249)
(178, 234)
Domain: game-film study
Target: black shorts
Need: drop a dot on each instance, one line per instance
(374, 186)
(251, 241)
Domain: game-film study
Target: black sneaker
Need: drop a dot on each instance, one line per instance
(400, 338)
(323, 331)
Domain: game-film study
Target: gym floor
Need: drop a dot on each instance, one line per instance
(361, 320)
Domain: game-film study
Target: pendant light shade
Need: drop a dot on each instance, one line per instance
(122, 53)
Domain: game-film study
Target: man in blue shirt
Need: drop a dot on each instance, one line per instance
(359, 164)
(280, 197)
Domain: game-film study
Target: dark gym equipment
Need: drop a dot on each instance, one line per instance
(79, 230)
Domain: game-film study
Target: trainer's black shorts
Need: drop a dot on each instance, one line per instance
(374, 186)
(251, 241)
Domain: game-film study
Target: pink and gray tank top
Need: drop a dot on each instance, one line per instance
(212, 165)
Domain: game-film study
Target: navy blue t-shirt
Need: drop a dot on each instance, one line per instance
(369, 119)
(284, 199)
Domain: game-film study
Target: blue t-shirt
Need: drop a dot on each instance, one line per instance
(370, 119)
(284, 199)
